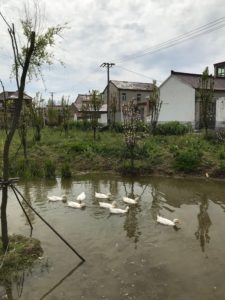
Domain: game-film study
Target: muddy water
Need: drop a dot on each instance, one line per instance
(127, 257)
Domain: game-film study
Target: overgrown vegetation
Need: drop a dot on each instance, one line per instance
(64, 156)
(21, 254)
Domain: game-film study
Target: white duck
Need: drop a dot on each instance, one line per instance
(81, 196)
(130, 200)
(57, 198)
(165, 221)
(108, 205)
(115, 210)
(74, 204)
(102, 196)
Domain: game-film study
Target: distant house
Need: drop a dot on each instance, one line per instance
(11, 97)
(83, 109)
(8, 100)
(120, 92)
(181, 102)
(54, 114)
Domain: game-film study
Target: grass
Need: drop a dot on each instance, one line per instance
(21, 254)
(56, 154)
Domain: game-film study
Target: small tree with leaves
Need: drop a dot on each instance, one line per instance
(23, 126)
(113, 106)
(206, 93)
(154, 106)
(131, 117)
(37, 116)
(94, 107)
(65, 115)
(52, 113)
(28, 59)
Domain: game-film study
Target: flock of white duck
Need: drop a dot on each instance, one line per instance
(111, 206)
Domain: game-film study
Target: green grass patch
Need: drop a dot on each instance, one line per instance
(21, 254)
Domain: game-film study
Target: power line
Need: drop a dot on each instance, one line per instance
(140, 74)
(204, 29)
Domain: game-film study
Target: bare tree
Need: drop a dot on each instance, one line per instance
(28, 60)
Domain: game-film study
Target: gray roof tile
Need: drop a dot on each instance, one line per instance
(193, 80)
(129, 85)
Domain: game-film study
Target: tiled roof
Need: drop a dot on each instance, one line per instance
(81, 99)
(193, 80)
(13, 96)
(84, 98)
(220, 64)
(128, 85)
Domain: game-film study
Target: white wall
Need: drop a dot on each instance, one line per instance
(178, 101)
(103, 119)
(220, 112)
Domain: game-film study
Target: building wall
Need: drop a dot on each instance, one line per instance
(220, 109)
(178, 101)
(117, 96)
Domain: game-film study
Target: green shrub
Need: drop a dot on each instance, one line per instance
(173, 128)
(19, 168)
(65, 171)
(222, 155)
(49, 169)
(117, 127)
(220, 171)
(77, 147)
(142, 127)
(35, 168)
(188, 160)
(82, 125)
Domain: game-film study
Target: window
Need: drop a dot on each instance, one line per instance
(124, 97)
(221, 72)
(138, 97)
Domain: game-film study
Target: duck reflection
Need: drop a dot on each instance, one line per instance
(204, 222)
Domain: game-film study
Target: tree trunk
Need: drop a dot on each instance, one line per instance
(9, 137)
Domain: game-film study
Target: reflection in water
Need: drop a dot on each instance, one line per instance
(204, 222)
(18, 280)
(91, 227)
(27, 196)
(156, 202)
(131, 221)
(131, 224)
(61, 280)
(66, 184)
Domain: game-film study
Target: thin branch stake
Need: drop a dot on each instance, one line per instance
(28, 219)
(28, 204)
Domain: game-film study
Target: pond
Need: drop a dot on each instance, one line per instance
(129, 256)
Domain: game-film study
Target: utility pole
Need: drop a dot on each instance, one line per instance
(108, 66)
(52, 94)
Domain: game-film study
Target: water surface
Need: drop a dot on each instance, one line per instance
(127, 257)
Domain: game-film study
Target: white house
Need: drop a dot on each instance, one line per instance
(179, 94)
(82, 109)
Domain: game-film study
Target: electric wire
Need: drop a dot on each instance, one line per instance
(204, 29)
(140, 74)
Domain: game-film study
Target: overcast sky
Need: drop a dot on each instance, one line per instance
(118, 31)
